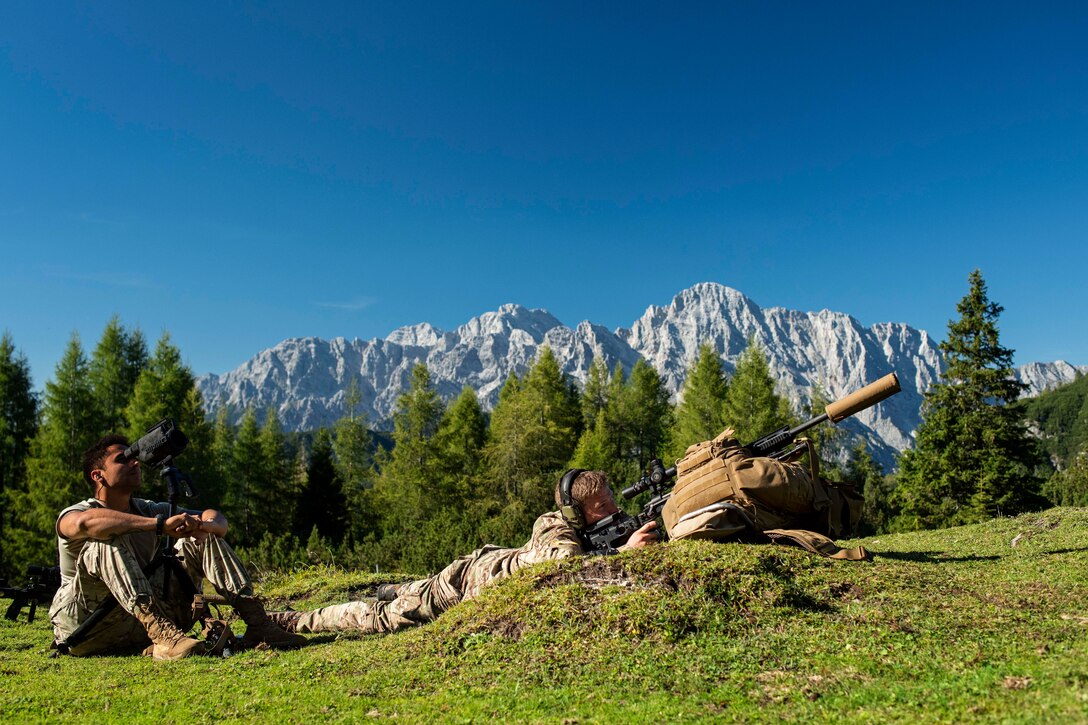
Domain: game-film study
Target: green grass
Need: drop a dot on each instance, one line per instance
(944, 626)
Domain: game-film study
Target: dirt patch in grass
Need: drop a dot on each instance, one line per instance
(601, 573)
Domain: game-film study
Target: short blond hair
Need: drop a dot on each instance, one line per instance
(587, 485)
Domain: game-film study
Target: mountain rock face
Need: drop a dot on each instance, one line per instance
(304, 379)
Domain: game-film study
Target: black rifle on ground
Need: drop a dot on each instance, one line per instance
(44, 582)
(613, 531)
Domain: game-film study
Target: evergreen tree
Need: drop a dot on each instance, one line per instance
(593, 452)
(868, 478)
(18, 424)
(405, 491)
(700, 415)
(166, 388)
(322, 505)
(115, 366)
(464, 503)
(534, 430)
(213, 489)
(829, 439)
(974, 458)
(595, 396)
(278, 497)
(351, 443)
(55, 465)
(752, 408)
(462, 438)
(240, 499)
(647, 407)
(162, 391)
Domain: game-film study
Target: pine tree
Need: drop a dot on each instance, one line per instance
(276, 503)
(650, 414)
(869, 480)
(462, 438)
(752, 408)
(55, 466)
(351, 443)
(700, 415)
(404, 491)
(115, 366)
(166, 388)
(595, 395)
(322, 505)
(829, 440)
(18, 425)
(245, 485)
(534, 430)
(163, 391)
(974, 458)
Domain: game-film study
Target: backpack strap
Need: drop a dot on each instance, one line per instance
(817, 544)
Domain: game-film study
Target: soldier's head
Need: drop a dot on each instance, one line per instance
(104, 464)
(592, 494)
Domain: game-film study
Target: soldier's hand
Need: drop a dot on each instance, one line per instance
(643, 536)
(181, 525)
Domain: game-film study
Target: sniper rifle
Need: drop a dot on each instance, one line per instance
(613, 531)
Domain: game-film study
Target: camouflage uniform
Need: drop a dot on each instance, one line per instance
(91, 569)
(422, 601)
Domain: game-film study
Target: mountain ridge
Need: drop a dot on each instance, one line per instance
(304, 378)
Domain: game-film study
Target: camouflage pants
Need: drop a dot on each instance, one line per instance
(110, 567)
(416, 602)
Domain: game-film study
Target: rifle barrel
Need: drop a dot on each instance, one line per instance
(868, 396)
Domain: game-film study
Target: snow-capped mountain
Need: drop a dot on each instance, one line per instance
(305, 378)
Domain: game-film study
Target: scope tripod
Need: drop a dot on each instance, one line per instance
(166, 557)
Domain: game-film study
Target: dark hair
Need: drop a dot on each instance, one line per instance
(95, 456)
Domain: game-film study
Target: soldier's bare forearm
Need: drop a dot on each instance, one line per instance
(102, 524)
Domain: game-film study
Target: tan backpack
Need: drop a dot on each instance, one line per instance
(722, 492)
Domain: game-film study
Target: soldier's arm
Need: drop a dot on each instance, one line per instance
(101, 523)
(553, 538)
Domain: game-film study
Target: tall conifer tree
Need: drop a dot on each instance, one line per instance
(55, 465)
(322, 503)
(404, 491)
(351, 444)
(240, 499)
(166, 388)
(700, 415)
(974, 458)
(650, 414)
(18, 424)
(752, 408)
(115, 366)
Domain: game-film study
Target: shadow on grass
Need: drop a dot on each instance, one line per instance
(928, 557)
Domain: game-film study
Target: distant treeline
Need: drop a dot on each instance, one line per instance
(456, 478)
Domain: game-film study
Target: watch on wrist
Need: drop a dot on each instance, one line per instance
(160, 520)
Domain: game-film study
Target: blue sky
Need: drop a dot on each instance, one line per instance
(240, 173)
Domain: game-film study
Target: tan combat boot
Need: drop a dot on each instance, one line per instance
(167, 641)
(260, 629)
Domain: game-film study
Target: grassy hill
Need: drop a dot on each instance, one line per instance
(977, 623)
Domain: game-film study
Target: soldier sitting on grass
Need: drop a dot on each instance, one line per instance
(106, 541)
(555, 536)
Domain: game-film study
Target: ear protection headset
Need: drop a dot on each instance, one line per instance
(570, 509)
